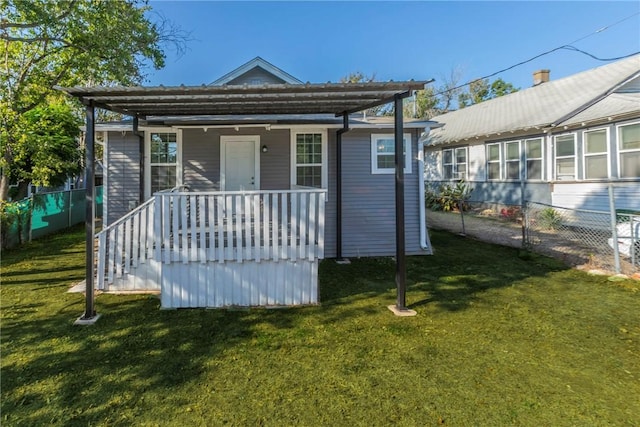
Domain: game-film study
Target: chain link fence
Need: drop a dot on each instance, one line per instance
(597, 240)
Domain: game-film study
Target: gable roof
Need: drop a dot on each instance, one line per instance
(584, 96)
(256, 62)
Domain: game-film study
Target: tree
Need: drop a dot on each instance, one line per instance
(75, 42)
(47, 151)
(433, 100)
(480, 90)
(358, 77)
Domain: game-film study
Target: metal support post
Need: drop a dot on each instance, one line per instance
(401, 274)
(89, 312)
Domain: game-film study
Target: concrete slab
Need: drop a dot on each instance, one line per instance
(84, 322)
(78, 287)
(402, 313)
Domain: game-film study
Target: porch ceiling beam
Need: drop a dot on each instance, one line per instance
(260, 109)
(231, 104)
(146, 99)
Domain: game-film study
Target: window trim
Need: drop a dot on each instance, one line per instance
(454, 163)
(541, 158)
(621, 151)
(575, 156)
(375, 170)
(507, 161)
(294, 154)
(585, 154)
(147, 157)
(499, 161)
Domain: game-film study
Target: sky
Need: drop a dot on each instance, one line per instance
(325, 41)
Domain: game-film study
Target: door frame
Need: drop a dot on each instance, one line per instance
(230, 139)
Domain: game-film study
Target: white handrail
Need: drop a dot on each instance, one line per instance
(214, 226)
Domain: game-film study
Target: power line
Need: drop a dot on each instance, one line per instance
(563, 47)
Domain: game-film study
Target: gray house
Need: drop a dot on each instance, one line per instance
(559, 142)
(229, 193)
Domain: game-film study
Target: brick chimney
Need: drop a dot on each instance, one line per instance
(540, 76)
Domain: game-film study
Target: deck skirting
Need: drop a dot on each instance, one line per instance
(245, 284)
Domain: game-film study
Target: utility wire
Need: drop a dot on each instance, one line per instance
(565, 47)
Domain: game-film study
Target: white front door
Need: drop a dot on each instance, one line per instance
(239, 163)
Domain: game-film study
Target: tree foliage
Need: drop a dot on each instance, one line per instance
(67, 43)
(481, 90)
(47, 150)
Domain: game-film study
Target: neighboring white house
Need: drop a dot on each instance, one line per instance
(559, 142)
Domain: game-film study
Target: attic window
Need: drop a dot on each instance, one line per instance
(255, 81)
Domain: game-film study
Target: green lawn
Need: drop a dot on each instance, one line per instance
(500, 339)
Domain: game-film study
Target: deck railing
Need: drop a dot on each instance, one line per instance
(125, 244)
(214, 227)
(239, 226)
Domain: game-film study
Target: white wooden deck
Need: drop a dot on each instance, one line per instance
(218, 249)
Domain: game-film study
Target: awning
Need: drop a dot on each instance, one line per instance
(316, 98)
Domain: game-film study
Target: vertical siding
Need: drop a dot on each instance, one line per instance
(368, 204)
(122, 189)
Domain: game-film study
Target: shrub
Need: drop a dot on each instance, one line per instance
(448, 197)
(549, 218)
(13, 221)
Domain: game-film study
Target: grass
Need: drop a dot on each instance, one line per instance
(501, 338)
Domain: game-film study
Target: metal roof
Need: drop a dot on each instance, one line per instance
(316, 98)
(539, 107)
(614, 105)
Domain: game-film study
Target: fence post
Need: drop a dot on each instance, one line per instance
(614, 229)
(461, 208)
(523, 206)
(70, 208)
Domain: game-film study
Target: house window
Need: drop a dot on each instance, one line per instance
(512, 160)
(309, 159)
(596, 158)
(383, 153)
(565, 157)
(163, 161)
(629, 148)
(454, 163)
(494, 162)
(533, 158)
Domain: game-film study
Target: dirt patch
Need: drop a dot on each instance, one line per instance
(491, 228)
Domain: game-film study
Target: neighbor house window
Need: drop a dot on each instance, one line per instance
(629, 149)
(309, 159)
(163, 161)
(494, 162)
(512, 160)
(454, 163)
(596, 158)
(383, 157)
(533, 158)
(565, 157)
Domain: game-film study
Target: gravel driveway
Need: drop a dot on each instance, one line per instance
(484, 229)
